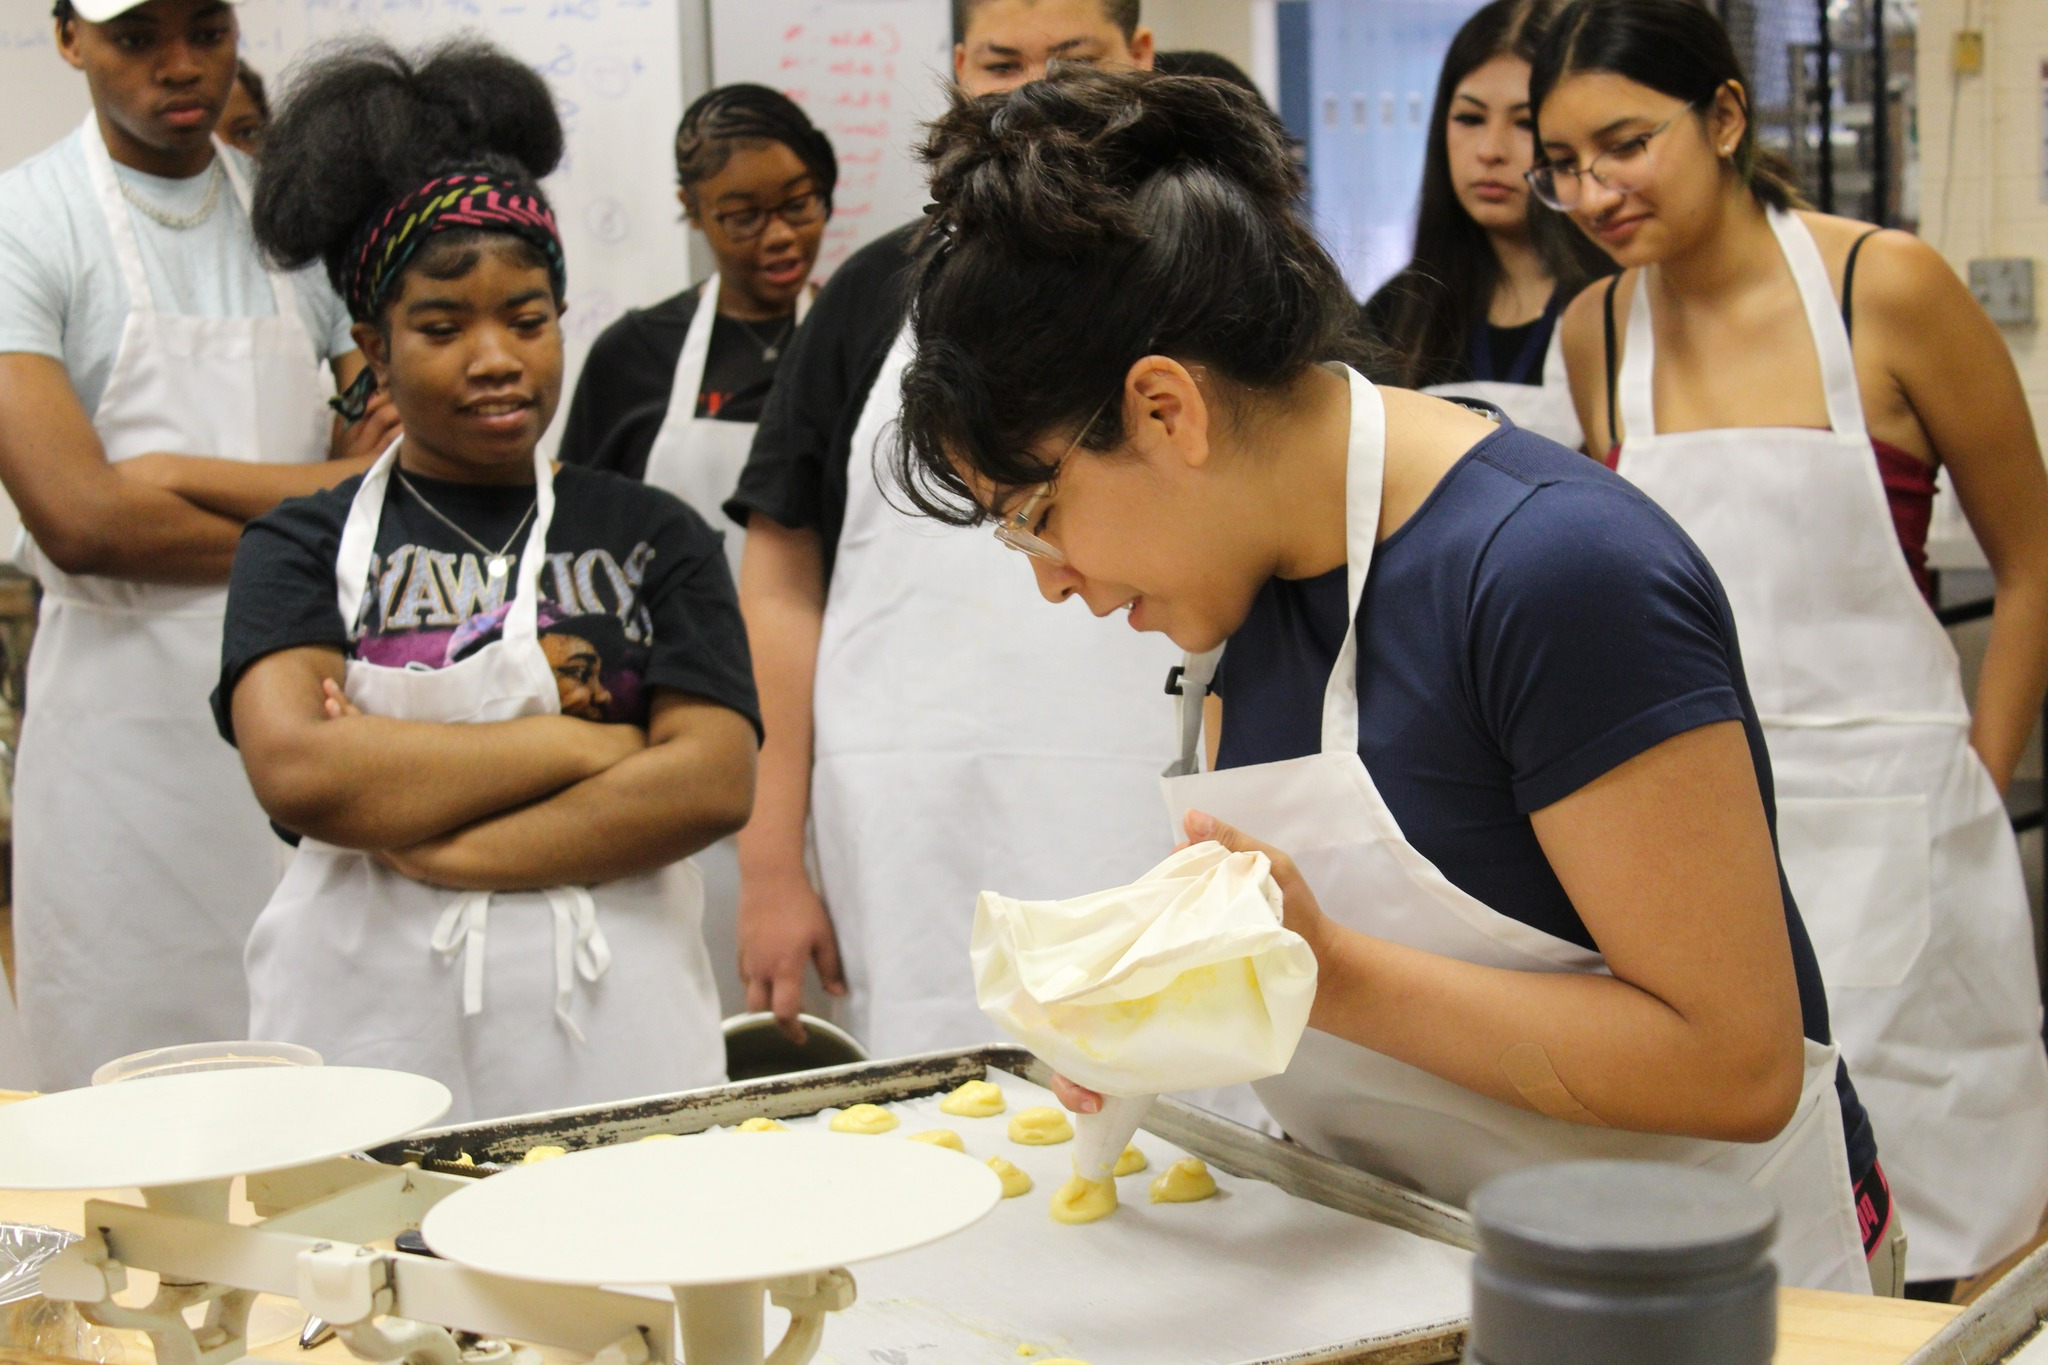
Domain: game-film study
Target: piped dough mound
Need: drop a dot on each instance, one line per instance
(759, 1124)
(867, 1119)
(1040, 1127)
(974, 1100)
(1131, 1162)
(1082, 1200)
(940, 1137)
(1184, 1182)
(542, 1153)
(1015, 1182)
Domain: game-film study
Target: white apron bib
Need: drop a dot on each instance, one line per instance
(142, 857)
(516, 1001)
(968, 736)
(699, 460)
(1384, 1116)
(1894, 841)
(1543, 406)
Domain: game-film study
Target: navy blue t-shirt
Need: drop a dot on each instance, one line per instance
(1538, 622)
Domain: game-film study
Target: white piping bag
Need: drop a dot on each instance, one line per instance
(1184, 980)
(1100, 1138)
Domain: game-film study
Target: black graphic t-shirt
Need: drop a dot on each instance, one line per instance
(635, 594)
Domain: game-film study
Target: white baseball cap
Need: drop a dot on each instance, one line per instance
(99, 11)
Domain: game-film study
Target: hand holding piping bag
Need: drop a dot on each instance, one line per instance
(1185, 979)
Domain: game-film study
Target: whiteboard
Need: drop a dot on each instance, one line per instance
(616, 70)
(868, 72)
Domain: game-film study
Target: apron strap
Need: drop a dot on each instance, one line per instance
(523, 621)
(1189, 686)
(580, 948)
(359, 542)
(281, 292)
(462, 929)
(696, 354)
(1824, 321)
(1638, 397)
(1365, 480)
(99, 169)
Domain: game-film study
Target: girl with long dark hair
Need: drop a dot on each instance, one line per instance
(495, 698)
(1784, 384)
(1515, 763)
(1475, 312)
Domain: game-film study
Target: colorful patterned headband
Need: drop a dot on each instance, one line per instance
(385, 245)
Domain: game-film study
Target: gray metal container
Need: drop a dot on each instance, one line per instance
(1622, 1263)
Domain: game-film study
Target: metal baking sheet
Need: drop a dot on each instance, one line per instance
(1299, 1260)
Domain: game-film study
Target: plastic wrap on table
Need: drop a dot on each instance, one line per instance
(30, 1322)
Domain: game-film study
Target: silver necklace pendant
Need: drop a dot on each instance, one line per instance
(771, 354)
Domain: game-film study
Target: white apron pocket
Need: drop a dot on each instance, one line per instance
(1861, 870)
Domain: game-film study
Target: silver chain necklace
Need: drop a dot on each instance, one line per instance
(496, 562)
(770, 350)
(177, 222)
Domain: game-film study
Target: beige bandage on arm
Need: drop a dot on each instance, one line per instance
(1528, 1069)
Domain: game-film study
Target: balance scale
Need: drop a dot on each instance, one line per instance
(724, 1221)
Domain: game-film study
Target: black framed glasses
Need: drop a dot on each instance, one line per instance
(746, 224)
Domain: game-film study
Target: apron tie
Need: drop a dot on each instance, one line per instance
(580, 948)
(461, 930)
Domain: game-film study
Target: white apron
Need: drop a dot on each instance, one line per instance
(699, 460)
(1398, 1121)
(968, 737)
(1542, 405)
(516, 1001)
(1894, 841)
(141, 856)
(17, 1071)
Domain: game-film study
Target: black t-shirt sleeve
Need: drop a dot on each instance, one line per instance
(631, 370)
(1596, 632)
(281, 590)
(700, 642)
(796, 473)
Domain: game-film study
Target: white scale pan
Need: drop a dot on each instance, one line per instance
(183, 1138)
(720, 1219)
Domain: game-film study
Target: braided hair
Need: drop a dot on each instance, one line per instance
(731, 117)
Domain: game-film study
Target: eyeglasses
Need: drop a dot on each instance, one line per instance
(1015, 530)
(1621, 168)
(743, 225)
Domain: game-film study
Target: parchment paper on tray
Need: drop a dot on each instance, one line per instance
(1253, 1274)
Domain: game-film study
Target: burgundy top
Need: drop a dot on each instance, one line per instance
(1908, 490)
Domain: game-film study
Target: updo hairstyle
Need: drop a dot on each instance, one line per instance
(361, 124)
(1080, 223)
